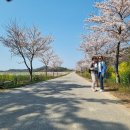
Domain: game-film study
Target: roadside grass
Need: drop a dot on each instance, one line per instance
(9, 81)
(84, 74)
(108, 83)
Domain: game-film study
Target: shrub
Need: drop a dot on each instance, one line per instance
(38, 77)
(85, 74)
(110, 71)
(124, 71)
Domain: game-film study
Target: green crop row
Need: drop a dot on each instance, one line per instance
(19, 80)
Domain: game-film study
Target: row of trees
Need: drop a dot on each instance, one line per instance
(109, 31)
(29, 44)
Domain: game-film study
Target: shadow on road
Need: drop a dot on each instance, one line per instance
(102, 101)
(44, 108)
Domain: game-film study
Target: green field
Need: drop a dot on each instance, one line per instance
(18, 79)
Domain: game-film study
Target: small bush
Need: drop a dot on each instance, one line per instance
(85, 74)
(124, 71)
(110, 71)
(38, 77)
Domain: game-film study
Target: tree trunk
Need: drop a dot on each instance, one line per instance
(30, 69)
(53, 73)
(46, 70)
(117, 63)
(30, 72)
(57, 72)
(86, 71)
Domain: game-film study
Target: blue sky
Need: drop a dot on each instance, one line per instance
(64, 19)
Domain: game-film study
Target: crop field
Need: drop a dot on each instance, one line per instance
(17, 79)
(34, 73)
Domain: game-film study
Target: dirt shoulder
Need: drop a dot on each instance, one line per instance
(124, 97)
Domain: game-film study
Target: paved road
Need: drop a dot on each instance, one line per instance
(66, 103)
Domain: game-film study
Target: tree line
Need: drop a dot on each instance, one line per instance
(109, 33)
(29, 44)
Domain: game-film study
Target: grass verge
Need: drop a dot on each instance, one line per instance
(17, 81)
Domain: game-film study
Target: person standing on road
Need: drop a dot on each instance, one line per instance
(94, 72)
(101, 72)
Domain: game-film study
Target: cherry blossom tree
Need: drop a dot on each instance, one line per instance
(95, 44)
(59, 63)
(46, 58)
(82, 65)
(125, 54)
(55, 63)
(113, 19)
(26, 43)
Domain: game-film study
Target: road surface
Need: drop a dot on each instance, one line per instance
(65, 103)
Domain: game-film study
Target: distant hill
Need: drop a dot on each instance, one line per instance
(41, 69)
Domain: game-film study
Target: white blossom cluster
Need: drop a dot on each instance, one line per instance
(110, 29)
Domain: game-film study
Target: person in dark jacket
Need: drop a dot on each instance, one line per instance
(101, 72)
